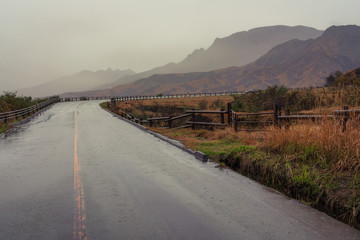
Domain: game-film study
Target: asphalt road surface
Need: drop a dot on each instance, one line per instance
(77, 172)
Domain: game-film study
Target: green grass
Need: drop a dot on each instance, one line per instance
(3, 128)
(103, 104)
(300, 172)
(217, 150)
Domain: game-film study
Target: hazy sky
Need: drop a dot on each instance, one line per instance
(44, 39)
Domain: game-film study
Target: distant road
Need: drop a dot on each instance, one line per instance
(76, 172)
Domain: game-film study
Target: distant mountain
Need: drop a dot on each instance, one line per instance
(295, 63)
(237, 49)
(82, 81)
(243, 47)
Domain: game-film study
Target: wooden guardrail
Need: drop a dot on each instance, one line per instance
(194, 123)
(168, 120)
(24, 112)
(340, 115)
(278, 119)
(235, 119)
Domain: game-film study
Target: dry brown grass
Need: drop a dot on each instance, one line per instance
(324, 138)
(335, 98)
(176, 102)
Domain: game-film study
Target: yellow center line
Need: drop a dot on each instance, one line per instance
(79, 232)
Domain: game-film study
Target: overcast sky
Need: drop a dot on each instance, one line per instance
(44, 39)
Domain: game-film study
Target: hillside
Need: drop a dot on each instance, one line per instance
(82, 81)
(350, 78)
(295, 63)
(243, 47)
(238, 49)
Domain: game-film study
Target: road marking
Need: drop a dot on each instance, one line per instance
(79, 232)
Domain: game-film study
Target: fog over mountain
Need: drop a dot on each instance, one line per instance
(82, 81)
(243, 47)
(296, 63)
(44, 40)
(237, 49)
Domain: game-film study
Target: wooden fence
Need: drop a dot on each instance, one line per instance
(239, 121)
(168, 121)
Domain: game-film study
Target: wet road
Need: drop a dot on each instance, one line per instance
(77, 172)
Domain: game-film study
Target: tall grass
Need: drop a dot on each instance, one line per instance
(324, 140)
(322, 159)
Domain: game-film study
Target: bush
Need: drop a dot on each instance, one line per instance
(263, 100)
(10, 102)
(203, 105)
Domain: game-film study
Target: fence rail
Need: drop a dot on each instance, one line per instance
(235, 119)
(6, 116)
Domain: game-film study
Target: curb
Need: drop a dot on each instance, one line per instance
(197, 154)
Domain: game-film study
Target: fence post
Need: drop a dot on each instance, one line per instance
(193, 120)
(346, 117)
(235, 122)
(222, 116)
(169, 122)
(276, 114)
(229, 113)
(287, 113)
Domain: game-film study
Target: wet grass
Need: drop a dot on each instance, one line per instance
(3, 128)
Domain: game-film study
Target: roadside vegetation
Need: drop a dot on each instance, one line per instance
(172, 106)
(313, 161)
(10, 101)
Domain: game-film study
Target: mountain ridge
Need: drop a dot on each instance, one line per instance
(295, 63)
(84, 80)
(237, 49)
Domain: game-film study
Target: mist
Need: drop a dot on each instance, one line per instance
(42, 40)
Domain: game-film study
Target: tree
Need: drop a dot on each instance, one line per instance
(331, 79)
